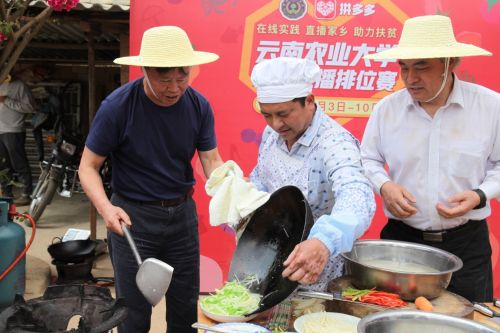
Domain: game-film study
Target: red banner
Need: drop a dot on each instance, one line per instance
(333, 33)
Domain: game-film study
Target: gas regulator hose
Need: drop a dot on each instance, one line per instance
(13, 213)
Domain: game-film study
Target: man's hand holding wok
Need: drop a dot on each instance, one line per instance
(306, 262)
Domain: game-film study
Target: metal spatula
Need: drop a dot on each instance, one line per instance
(153, 277)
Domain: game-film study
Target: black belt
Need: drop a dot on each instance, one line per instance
(162, 203)
(439, 235)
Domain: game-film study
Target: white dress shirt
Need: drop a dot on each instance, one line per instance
(436, 157)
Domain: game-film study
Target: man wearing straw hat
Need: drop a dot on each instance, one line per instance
(439, 139)
(151, 128)
(302, 146)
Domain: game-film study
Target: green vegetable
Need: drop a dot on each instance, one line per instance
(233, 299)
(355, 293)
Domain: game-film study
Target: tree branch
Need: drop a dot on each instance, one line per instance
(9, 9)
(22, 4)
(6, 52)
(14, 48)
(39, 19)
(22, 45)
(19, 12)
(2, 10)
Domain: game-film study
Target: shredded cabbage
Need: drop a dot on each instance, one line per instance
(324, 323)
(232, 299)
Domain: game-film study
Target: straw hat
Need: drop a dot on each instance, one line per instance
(167, 46)
(425, 37)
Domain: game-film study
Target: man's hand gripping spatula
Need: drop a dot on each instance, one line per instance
(153, 276)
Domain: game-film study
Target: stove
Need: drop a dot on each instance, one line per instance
(68, 272)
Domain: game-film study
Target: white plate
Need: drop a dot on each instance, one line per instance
(347, 320)
(226, 318)
(242, 328)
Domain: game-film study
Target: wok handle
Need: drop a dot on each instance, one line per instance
(316, 294)
(58, 238)
(131, 243)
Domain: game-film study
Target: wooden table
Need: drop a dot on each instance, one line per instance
(477, 317)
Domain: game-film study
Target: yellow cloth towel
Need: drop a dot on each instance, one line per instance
(233, 198)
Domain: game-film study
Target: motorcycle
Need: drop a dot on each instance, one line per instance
(60, 174)
(60, 171)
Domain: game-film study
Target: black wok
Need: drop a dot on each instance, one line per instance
(270, 236)
(72, 251)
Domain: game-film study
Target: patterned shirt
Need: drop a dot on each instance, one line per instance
(325, 164)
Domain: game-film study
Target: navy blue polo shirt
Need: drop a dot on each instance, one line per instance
(151, 146)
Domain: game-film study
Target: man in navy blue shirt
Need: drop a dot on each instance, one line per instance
(151, 128)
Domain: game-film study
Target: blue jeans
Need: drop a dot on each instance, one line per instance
(169, 234)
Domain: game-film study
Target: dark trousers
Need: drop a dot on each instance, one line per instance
(471, 244)
(169, 234)
(13, 159)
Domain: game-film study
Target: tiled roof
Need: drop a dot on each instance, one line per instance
(62, 38)
(108, 5)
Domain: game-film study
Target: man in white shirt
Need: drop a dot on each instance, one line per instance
(439, 139)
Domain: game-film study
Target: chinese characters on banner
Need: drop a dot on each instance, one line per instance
(336, 34)
(337, 42)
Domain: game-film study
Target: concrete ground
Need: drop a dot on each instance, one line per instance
(62, 214)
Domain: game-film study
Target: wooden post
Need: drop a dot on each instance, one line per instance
(124, 51)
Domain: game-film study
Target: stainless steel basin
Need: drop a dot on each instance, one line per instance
(429, 283)
(406, 321)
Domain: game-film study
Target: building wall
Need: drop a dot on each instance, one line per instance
(107, 79)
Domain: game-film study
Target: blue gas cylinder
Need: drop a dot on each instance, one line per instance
(12, 243)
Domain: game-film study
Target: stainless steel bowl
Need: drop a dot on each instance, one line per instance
(409, 285)
(414, 321)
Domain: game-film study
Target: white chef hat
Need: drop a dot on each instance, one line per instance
(282, 79)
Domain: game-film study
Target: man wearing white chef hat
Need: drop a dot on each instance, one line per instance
(439, 138)
(302, 146)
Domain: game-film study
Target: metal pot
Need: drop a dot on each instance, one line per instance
(409, 285)
(73, 251)
(412, 321)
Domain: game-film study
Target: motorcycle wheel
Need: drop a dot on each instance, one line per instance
(42, 198)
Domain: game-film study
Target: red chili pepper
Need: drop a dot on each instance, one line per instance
(372, 296)
(385, 294)
(388, 301)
